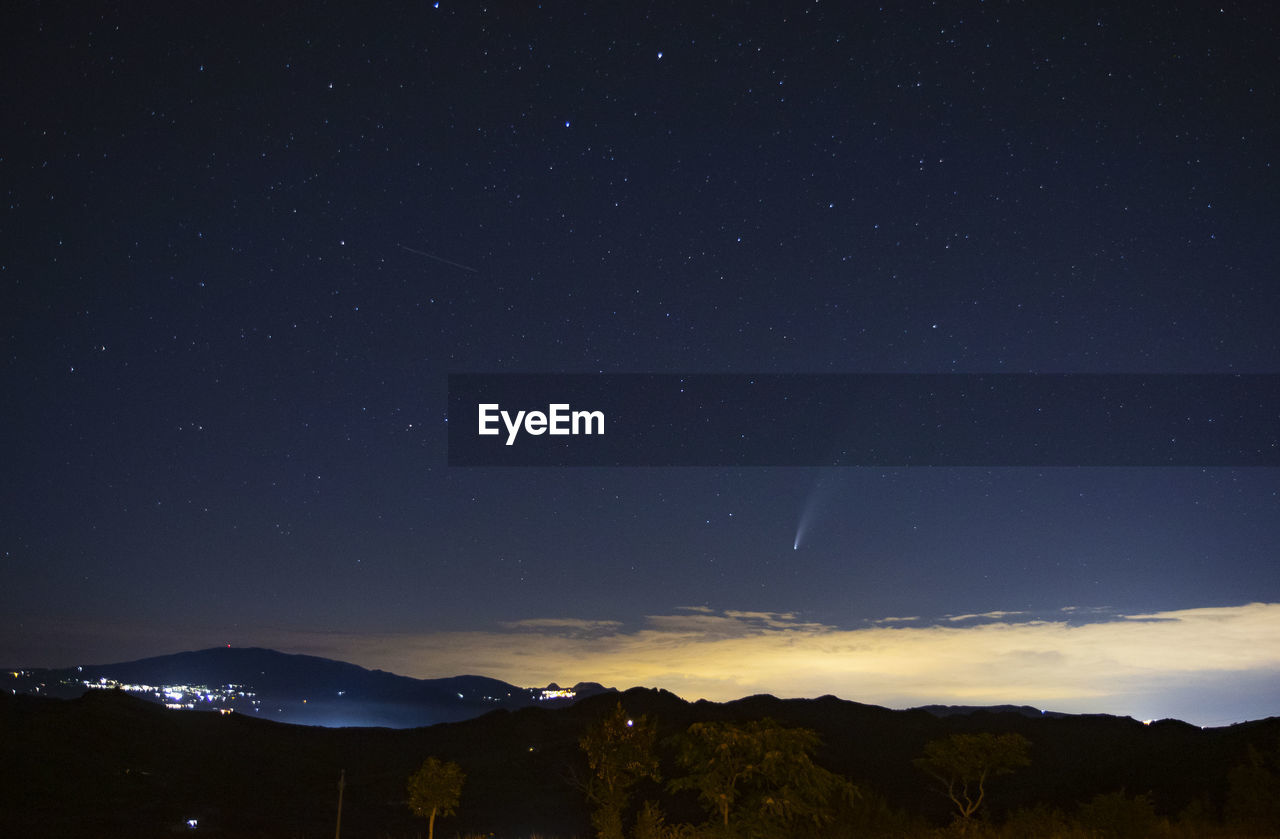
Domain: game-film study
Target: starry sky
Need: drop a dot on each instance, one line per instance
(243, 246)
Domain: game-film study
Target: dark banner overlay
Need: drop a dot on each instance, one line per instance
(864, 420)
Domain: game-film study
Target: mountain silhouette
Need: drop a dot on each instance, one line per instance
(300, 689)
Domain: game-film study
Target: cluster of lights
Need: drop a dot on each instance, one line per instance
(22, 674)
(561, 693)
(179, 697)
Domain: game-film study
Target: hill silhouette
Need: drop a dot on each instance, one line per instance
(110, 764)
(301, 689)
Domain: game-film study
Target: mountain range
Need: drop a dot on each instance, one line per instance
(299, 689)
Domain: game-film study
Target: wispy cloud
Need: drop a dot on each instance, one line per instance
(992, 616)
(1152, 664)
(1209, 665)
(568, 626)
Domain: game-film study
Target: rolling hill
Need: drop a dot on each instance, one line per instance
(299, 689)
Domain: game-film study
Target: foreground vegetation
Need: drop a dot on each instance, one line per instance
(757, 780)
(640, 765)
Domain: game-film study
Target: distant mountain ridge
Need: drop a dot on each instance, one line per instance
(311, 690)
(962, 710)
(294, 688)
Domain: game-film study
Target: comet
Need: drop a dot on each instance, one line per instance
(802, 526)
(820, 499)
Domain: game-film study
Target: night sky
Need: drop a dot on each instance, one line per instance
(243, 245)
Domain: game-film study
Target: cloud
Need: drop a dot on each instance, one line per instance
(568, 626)
(1127, 664)
(730, 624)
(1211, 665)
(995, 616)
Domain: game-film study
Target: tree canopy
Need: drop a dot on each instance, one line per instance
(963, 763)
(619, 753)
(434, 790)
(758, 775)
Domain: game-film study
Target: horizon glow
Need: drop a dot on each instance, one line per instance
(1207, 666)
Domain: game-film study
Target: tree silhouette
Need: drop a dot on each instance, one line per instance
(1253, 791)
(1115, 815)
(721, 757)
(962, 763)
(619, 753)
(435, 790)
(759, 775)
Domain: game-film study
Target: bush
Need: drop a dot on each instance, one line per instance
(1114, 815)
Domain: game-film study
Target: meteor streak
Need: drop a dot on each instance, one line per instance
(439, 259)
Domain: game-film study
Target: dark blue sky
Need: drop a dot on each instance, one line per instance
(243, 247)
